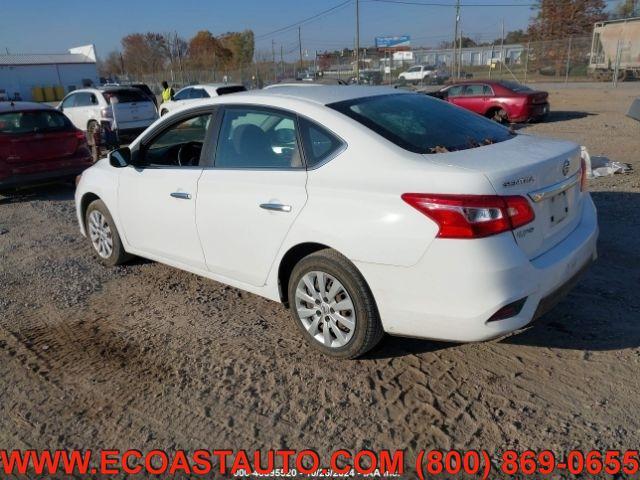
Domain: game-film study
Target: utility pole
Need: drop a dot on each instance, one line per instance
(281, 60)
(455, 40)
(502, 48)
(300, 46)
(357, 41)
(273, 60)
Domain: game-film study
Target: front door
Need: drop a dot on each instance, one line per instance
(157, 196)
(250, 198)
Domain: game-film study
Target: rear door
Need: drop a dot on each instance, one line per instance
(250, 197)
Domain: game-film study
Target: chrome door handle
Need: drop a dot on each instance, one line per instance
(181, 195)
(276, 207)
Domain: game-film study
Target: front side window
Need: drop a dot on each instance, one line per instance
(178, 146)
(422, 124)
(183, 94)
(70, 101)
(414, 69)
(455, 91)
(474, 90)
(258, 138)
(319, 143)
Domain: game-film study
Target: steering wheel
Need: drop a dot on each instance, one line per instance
(189, 152)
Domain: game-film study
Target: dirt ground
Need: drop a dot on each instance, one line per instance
(144, 356)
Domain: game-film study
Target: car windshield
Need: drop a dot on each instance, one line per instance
(515, 87)
(423, 124)
(125, 96)
(35, 121)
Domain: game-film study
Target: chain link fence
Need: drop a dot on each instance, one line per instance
(566, 60)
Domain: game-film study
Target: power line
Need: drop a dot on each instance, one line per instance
(453, 5)
(306, 20)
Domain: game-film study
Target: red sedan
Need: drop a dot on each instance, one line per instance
(38, 144)
(502, 101)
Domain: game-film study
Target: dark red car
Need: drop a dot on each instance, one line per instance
(500, 100)
(38, 144)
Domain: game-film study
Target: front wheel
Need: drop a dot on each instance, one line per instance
(103, 235)
(333, 306)
(500, 116)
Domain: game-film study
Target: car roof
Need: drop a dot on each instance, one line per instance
(323, 94)
(21, 106)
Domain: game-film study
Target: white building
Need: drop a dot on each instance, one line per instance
(20, 73)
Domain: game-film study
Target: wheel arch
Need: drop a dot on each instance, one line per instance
(85, 201)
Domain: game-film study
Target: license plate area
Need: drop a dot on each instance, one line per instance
(558, 208)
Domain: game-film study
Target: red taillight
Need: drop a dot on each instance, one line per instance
(472, 216)
(583, 175)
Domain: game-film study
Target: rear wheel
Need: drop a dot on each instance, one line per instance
(103, 235)
(333, 306)
(499, 115)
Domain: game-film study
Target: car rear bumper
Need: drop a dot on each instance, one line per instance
(458, 285)
(29, 179)
(530, 113)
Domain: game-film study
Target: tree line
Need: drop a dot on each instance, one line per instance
(151, 52)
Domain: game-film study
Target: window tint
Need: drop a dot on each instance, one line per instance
(488, 91)
(199, 93)
(257, 138)
(35, 121)
(178, 146)
(231, 89)
(455, 91)
(125, 96)
(83, 99)
(515, 87)
(423, 124)
(414, 69)
(319, 144)
(183, 94)
(70, 101)
(474, 90)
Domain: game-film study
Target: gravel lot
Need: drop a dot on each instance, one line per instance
(145, 356)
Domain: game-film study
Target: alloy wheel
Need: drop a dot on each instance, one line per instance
(100, 234)
(325, 309)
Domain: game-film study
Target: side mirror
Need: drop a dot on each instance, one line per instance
(120, 158)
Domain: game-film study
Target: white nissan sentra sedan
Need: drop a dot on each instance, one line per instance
(364, 210)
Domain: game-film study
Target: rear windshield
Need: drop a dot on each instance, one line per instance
(232, 89)
(35, 121)
(125, 96)
(422, 124)
(516, 87)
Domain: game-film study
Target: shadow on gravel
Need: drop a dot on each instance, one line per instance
(54, 191)
(601, 313)
(553, 117)
(391, 347)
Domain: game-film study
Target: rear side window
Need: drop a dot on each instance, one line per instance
(198, 93)
(34, 122)
(319, 144)
(125, 96)
(231, 89)
(422, 124)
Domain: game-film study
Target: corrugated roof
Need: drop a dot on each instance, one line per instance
(43, 58)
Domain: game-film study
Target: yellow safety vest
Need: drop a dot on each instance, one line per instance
(166, 95)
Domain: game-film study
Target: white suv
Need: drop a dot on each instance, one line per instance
(125, 110)
(193, 93)
(418, 74)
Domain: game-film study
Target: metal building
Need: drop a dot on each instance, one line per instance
(45, 77)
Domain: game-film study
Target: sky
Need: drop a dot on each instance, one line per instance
(50, 26)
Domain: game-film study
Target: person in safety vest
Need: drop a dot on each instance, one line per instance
(167, 92)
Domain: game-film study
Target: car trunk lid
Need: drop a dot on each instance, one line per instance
(545, 171)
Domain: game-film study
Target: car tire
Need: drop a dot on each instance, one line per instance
(499, 115)
(103, 235)
(346, 333)
(163, 112)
